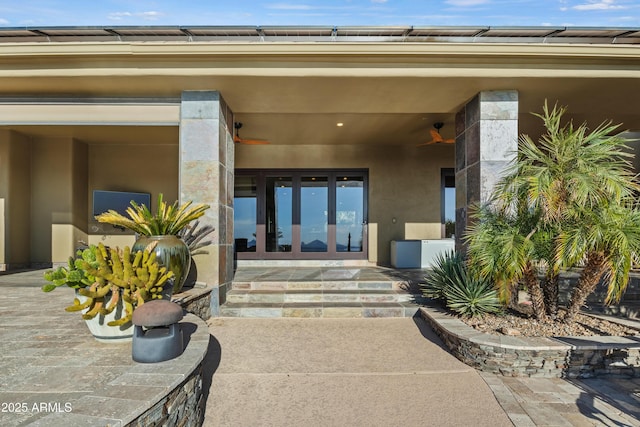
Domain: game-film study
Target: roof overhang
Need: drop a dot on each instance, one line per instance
(388, 84)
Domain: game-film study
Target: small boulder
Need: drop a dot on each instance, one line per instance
(509, 331)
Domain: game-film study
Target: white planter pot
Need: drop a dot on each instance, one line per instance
(100, 329)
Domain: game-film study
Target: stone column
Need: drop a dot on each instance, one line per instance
(486, 142)
(206, 176)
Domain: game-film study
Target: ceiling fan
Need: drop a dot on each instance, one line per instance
(236, 137)
(436, 138)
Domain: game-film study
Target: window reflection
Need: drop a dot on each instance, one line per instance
(314, 219)
(349, 213)
(245, 213)
(279, 208)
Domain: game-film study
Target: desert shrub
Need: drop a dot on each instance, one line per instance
(461, 292)
(472, 297)
(446, 267)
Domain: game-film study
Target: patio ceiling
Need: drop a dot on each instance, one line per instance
(292, 85)
(376, 111)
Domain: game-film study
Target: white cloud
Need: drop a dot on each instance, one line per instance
(467, 3)
(150, 16)
(302, 7)
(379, 1)
(4, 21)
(289, 6)
(598, 5)
(117, 16)
(147, 16)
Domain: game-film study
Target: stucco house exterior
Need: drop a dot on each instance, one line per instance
(345, 109)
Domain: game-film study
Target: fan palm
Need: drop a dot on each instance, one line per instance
(502, 247)
(581, 187)
(606, 241)
(569, 167)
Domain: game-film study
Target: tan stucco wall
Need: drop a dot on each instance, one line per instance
(404, 184)
(46, 191)
(59, 174)
(138, 168)
(15, 182)
(3, 261)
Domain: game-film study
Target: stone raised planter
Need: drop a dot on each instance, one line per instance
(568, 357)
(196, 300)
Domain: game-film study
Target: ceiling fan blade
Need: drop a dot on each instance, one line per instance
(239, 140)
(436, 138)
(435, 135)
(236, 137)
(254, 142)
(427, 143)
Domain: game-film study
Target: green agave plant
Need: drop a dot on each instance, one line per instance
(473, 297)
(446, 268)
(462, 293)
(168, 219)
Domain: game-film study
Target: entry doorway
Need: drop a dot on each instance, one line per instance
(300, 214)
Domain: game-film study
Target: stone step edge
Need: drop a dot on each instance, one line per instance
(317, 284)
(319, 310)
(316, 290)
(319, 295)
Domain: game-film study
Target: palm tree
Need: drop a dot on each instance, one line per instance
(607, 242)
(570, 167)
(504, 246)
(581, 188)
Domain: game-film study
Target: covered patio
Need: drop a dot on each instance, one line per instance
(154, 110)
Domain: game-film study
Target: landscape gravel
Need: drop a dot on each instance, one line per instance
(516, 323)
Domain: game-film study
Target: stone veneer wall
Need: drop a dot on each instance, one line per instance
(196, 300)
(486, 141)
(184, 406)
(207, 176)
(535, 357)
(598, 362)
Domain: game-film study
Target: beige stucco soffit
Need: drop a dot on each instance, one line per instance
(318, 59)
(16, 113)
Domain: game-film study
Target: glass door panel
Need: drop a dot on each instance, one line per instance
(279, 212)
(349, 213)
(245, 204)
(300, 214)
(314, 213)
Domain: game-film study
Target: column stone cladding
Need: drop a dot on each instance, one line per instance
(486, 143)
(206, 176)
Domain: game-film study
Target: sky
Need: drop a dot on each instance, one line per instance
(557, 13)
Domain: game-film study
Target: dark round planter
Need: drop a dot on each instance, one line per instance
(172, 252)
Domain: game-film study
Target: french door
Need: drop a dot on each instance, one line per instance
(300, 214)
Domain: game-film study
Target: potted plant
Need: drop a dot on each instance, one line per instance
(110, 283)
(160, 232)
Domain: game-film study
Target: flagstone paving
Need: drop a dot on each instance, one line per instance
(321, 372)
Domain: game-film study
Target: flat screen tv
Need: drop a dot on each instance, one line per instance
(118, 201)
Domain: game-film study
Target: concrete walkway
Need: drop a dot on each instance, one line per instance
(341, 372)
(385, 372)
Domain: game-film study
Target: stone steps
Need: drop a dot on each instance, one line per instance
(331, 285)
(333, 298)
(317, 296)
(319, 309)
